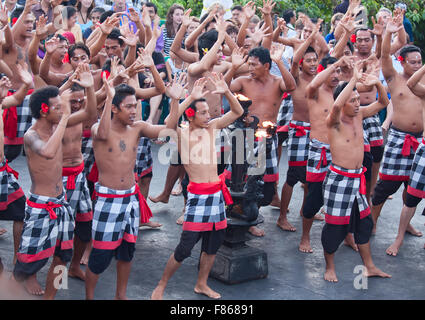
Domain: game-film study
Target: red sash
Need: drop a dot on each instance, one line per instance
(10, 118)
(354, 175)
(300, 129)
(409, 142)
(49, 206)
(211, 188)
(322, 158)
(9, 170)
(87, 133)
(93, 175)
(72, 173)
(145, 211)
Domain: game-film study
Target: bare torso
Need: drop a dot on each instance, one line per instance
(319, 109)
(71, 145)
(299, 99)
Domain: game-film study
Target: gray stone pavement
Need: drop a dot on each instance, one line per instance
(292, 275)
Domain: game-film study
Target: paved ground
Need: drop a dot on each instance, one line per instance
(292, 274)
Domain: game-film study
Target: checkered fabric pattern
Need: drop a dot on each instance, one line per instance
(203, 211)
(24, 117)
(339, 193)
(395, 166)
(79, 198)
(115, 219)
(285, 112)
(372, 126)
(9, 187)
(144, 159)
(319, 160)
(298, 145)
(42, 233)
(416, 186)
(88, 154)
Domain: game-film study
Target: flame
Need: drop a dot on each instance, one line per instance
(261, 134)
(184, 125)
(241, 97)
(266, 124)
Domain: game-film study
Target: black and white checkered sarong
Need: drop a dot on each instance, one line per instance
(144, 159)
(416, 185)
(373, 129)
(298, 143)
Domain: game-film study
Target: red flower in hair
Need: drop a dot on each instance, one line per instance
(400, 58)
(106, 72)
(353, 38)
(301, 61)
(44, 107)
(65, 58)
(320, 68)
(14, 21)
(189, 112)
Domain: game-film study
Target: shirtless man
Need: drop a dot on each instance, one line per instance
(74, 179)
(304, 70)
(346, 206)
(407, 124)
(49, 222)
(415, 188)
(211, 223)
(115, 144)
(265, 90)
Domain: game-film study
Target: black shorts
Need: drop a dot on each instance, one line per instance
(211, 242)
(333, 235)
(314, 199)
(100, 259)
(385, 188)
(295, 174)
(83, 230)
(12, 151)
(282, 137)
(377, 153)
(411, 201)
(15, 210)
(367, 163)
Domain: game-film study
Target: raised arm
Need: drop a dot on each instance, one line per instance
(387, 63)
(238, 59)
(19, 96)
(134, 16)
(248, 12)
(101, 131)
(266, 10)
(105, 28)
(191, 39)
(414, 82)
(288, 84)
(381, 103)
(176, 46)
(334, 117)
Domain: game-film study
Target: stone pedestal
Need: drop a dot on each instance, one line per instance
(237, 262)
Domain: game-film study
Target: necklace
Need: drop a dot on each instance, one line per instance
(81, 15)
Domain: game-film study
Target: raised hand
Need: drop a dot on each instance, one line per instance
(198, 89)
(281, 24)
(128, 36)
(29, 4)
(259, 33)
(145, 58)
(146, 19)
(186, 20)
(41, 28)
(175, 88)
(369, 80)
(249, 10)
(268, 6)
(5, 85)
(25, 76)
(349, 24)
(109, 89)
(109, 24)
(134, 16)
(66, 104)
(55, 3)
(85, 78)
(4, 17)
(220, 84)
(51, 45)
(238, 57)
(276, 52)
(378, 28)
(394, 25)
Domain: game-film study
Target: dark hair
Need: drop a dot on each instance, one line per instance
(288, 14)
(59, 36)
(203, 19)
(78, 45)
(151, 5)
(311, 50)
(263, 54)
(107, 65)
(365, 29)
(16, 13)
(328, 60)
(232, 29)
(169, 20)
(237, 7)
(115, 35)
(408, 49)
(40, 96)
(206, 41)
(121, 92)
(339, 88)
(68, 11)
(76, 87)
(350, 46)
(105, 15)
(79, 5)
(97, 9)
(193, 104)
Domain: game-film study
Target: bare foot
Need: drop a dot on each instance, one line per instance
(161, 198)
(177, 190)
(32, 286)
(208, 292)
(85, 258)
(275, 201)
(150, 224)
(318, 217)
(330, 275)
(349, 242)
(180, 220)
(285, 225)
(375, 272)
(157, 293)
(393, 249)
(77, 273)
(2, 231)
(413, 231)
(305, 246)
(256, 231)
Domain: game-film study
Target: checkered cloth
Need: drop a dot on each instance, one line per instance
(49, 223)
(373, 129)
(340, 188)
(285, 113)
(298, 143)
(366, 143)
(116, 216)
(267, 149)
(9, 187)
(144, 158)
(205, 206)
(398, 155)
(319, 160)
(416, 185)
(24, 122)
(77, 192)
(87, 151)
